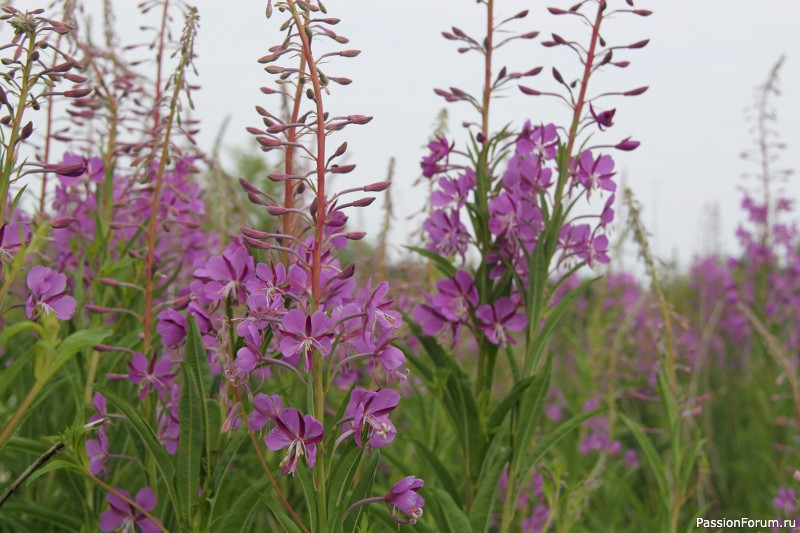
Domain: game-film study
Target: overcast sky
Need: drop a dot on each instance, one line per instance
(703, 63)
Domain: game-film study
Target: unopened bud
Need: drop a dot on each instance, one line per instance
(63, 222)
(359, 119)
(364, 202)
(349, 53)
(276, 210)
(78, 93)
(347, 272)
(635, 92)
(26, 132)
(378, 186)
(529, 91)
(627, 145)
(342, 169)
(355, 235)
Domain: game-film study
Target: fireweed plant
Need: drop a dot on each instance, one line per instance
(511, 199)
(162, 374)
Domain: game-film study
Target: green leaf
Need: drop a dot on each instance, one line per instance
(531, 408)
(459, 399)
(77, 342)
(341, 480)
(453, 519)
(554, 316)
(197, 369)
(444, 266)
(499, 413)
(148, 438)
(362, 491)
(190, 445)
(561, 431)
(239, 518)
(309, 494)
(480, 513)
(57, 520)
(17, 328)
(282, 517)
(651, 456)
(442, 474)
(8, 375)
(224, 461)
(57, 464)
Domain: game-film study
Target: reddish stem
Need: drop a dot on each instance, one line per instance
(587, 71)
(487, 80)
(316, 262)
(291, 136)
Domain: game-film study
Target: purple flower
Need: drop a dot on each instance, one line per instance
(122, 516)
(542, 141)
(268, 281)
(785, 500)
(302, 334)
(300, 434)
(596, 173)
(171, 326)
(404, 497)
(389, 357)
(380, 310)
(265, 408)
(370, 410)
(516, 219)
(12, 235)
(439, 149)
(48, 293)
(447, 234)
(97, 451)
(249, 356)
(604, 119)
(100, 405)
(456, 296)
(454, 192)
(226, 275)
(150, 373)
(498, 318)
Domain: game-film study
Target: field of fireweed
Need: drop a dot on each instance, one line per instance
(188, 348)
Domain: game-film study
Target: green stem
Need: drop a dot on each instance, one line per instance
(11, 149)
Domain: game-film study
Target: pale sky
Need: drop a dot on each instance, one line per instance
(703, 63)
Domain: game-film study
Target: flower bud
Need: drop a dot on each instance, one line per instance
(378, 186)
(364, 202)
(342, 169)
(63, 222)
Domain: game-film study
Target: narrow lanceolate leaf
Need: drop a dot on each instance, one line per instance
(303, 473)
(240, 516)
(198, 370)
(480, 514)
(442, 474)
(538, 343)
(283, 519)
(458, 398)
(226, 458)
(651, 456)
(362, 491)
(451, 518)
(561, 431)
(531, 407)
(340, 482)
(439, 262)
(147, 436)
(499, 413)
(190, 445)
(77, 342)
